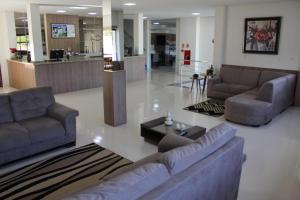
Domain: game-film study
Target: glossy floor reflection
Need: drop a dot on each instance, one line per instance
(272, 170)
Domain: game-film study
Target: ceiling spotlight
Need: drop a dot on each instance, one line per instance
(78, 8)
(92, 13)
(61, 11)
(93, 6)
(21, 18)
(129, 4)
(196, 14)
(156, 23)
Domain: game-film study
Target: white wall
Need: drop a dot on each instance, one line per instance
(207, 31)
(198, 32)
(289, 46)
(8, 40)
(188, 30)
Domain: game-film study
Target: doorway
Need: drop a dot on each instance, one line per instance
(163, 44)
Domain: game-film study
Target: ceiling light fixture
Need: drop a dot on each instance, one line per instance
(92, 13)
(156, 23)
(21, 18)
(196, 14)
(78, 8)
(129, 4)
(93, 6)
(145, 17)
(61, 11)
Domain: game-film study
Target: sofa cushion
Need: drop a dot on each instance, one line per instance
(245, 109)
(31, 103)
(269, 75)
(13, 136)
(131, 185)
(181, 158)
(5, 110)
(230, 75)
(43, 129)
(231, 88)
(250, 77)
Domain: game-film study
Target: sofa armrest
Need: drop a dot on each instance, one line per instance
(212, 81)
(265, 93)
(172, 141)
(65, 115)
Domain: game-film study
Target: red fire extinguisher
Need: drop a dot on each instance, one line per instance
(187, 57)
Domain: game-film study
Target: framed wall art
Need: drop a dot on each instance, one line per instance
(262, 35)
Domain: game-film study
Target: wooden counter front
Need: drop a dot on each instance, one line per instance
(21, 74)
(135, 68)
(61, 76)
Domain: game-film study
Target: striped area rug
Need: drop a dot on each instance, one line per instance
(212, 107)
(61, 175)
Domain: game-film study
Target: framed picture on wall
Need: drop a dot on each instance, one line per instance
(262, 35)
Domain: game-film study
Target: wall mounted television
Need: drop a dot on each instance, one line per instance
(63, 30)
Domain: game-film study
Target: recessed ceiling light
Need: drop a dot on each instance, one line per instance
(61, 11)
(21, 18)
(156, 23)
(129, 4)
(92, 13)
(94, 6)
(195, 14)
(78, 8)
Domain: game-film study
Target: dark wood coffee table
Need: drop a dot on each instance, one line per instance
(154, 130)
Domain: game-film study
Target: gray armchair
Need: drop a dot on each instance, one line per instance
(32, 122)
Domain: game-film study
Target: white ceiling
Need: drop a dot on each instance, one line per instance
(154, 9)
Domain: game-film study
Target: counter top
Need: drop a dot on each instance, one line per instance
(128, 57)
(72, 59)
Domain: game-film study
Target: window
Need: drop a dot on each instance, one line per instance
(23, 43)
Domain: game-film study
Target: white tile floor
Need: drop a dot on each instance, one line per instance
(272, 170)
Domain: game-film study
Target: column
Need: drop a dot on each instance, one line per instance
(114, 81)
(148, 43)
(198, 64)
(107, 28)
(35, 33)
(220, 36)
(178, 44)
(138, 30)
(118, 21)
(9, 40)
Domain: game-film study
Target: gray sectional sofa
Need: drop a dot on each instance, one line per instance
(253, 96)
(32, 122)
(207, 169)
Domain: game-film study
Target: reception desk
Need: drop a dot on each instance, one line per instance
(62, 76)
(78, 73)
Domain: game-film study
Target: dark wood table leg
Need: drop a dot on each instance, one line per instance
(204, 84)
(192, 84)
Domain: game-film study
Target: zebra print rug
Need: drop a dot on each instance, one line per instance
(61, 175)
(211, 107)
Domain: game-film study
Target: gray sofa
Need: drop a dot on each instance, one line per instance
(32, 122)
(253, 96)
(207, 169)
